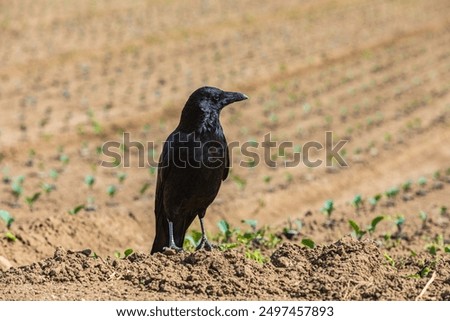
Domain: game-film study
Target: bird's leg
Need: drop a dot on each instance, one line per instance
(204, 243)
(172, 245)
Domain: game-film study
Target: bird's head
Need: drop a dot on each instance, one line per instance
(202, 109)
(213, 99)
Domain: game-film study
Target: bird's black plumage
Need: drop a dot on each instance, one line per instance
(192, 166)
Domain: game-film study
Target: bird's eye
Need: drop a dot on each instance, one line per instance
(216, 98)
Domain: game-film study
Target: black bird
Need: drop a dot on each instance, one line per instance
(192, 166)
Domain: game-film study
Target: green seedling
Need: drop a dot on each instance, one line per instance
(17, 189)
(32, 199)
(290, 232)
(357, 231)
(443, 210)
(406, 186)
(436, 175)
(192, 240)
(152, 170)
(399, 222)
(390, 260)
(89, 180)
(267, 179)
(289, 177)
(357, 202)
(373, 201)
(5, 176)
(54, 174)
(328, 208)
(64, 159)
(10, 236)
(308, 243)
(111, 190)
(144, 188)
(422, 181)
(251, 223)
(48, 188)
(392, 192)
(423, 217)
(224, 228)
(373, 224)
(432, 249)
(240, 182)
(121, 177)
(227, 246)
(5, 216)
(255, 255)
(76, 209)
(126, 254)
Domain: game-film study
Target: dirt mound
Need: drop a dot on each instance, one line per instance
(345, 270)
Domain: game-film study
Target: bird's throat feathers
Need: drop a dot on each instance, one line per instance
(201, 121)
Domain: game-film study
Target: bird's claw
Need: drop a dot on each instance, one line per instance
(204, 244)
(172, 250)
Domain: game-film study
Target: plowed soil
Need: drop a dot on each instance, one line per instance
(75, 75)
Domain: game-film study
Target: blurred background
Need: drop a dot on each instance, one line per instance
(76, 74)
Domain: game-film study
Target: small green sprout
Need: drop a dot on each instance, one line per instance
(443, 210)
(32, 199)
(54, 174)
(255, 255)
(422, 181)
(399, 222)
(5, 216)
(357, 231)
(390, 260)
(423, 217)
(144, 188)
(225, 229)
(251, 223)
(289, 177)
(152, 170)
(267, 179)
(357, 201)
(121, 177)
(64, 159)
(392, 192)
(436, 175)
(375, 199)
(290, 232)
(126, 254)
(308, 243)
(16, 190)
(373, 224)
(111, 190)
(240, 182)
(48, 188)
(76, 209)
(6, 178)
(328, 208)
(89, 180)
(10, 236)
(406, 186)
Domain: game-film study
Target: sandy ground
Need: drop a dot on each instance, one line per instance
(374, 73)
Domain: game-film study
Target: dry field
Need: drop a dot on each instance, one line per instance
(76, 74)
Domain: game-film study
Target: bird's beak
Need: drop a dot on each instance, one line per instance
(230, 97)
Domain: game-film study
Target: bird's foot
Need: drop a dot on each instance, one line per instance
(204, 244)
(172, 249)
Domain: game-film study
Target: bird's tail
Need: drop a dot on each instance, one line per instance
(162, 234)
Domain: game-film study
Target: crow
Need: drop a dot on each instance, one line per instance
(192, 166)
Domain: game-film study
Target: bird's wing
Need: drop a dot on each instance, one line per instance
(161, 224)
(227, 162)
(163, 172)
